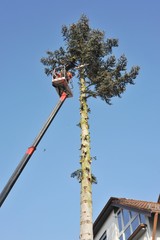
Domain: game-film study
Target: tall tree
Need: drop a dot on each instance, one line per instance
(104, 76)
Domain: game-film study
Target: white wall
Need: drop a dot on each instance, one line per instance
(110, 226)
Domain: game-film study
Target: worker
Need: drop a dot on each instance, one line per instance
(68, 76)
(57, 74)
(63, 71)
(69, 66)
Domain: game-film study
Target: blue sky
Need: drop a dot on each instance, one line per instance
(125, 137)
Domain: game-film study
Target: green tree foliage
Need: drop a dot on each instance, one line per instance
(105, 76)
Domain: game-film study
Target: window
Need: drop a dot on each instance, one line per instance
(104, 236)
(135, 223)
(127, 232)
(120, 220)
(128, 221)
(133, 214)
(142, 218)
(126, 216)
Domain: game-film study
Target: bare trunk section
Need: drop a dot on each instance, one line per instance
(86, 225)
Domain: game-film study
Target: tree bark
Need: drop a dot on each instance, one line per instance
(86, 224)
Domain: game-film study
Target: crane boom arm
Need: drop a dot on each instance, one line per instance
(30, 151)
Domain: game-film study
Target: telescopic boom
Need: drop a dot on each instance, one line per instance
(30, 150)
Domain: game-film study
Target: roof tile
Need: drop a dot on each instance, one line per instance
(137, 204)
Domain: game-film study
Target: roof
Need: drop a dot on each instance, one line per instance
(134, 205)
(137, 205)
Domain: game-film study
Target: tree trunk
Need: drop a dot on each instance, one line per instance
(86, 225)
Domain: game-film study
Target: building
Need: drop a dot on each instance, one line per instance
(128, 219)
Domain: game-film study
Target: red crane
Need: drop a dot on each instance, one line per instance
(60, 81)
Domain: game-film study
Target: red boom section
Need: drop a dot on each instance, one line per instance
(30, 150)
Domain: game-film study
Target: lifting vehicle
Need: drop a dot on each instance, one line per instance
(64, 91)
(60, 80)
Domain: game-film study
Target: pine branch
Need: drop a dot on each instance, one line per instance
(77, 174)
